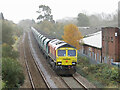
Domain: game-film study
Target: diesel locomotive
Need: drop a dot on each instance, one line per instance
(61, 55)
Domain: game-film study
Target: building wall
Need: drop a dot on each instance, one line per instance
(110, 44)
(119, 46)
(92, 52)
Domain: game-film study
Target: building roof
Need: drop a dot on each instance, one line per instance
(88, 30)
(94, 39)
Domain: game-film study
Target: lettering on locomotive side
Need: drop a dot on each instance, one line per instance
(66, 58)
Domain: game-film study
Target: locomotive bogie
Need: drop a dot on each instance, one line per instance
(65, 70)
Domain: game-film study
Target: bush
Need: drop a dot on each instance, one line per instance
(7, 51)
(82, 65)
(106, 75)
(83, 60)
(12, 73)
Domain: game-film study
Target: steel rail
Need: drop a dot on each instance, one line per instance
(65, 82)
(47, 84)
(28, 70)
(80, 83)
(84, 87)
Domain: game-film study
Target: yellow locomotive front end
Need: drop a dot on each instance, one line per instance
(66, 60)
(66, 56)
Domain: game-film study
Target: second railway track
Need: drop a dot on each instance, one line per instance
(28, 71)
(47, 79)
(36, 77)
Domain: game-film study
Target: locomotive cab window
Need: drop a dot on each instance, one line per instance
(71, 53)
(61, 52)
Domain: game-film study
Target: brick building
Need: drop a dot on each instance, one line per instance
(110, 44)
(92, 46)
(119, 14)
(103, 46)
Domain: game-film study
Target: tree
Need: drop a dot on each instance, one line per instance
(45, 13)
(12, 73)
(46, 26)
(1, 16)
(26, 24)
(53, 29)
(83, 20)
(94, 20)
(7, 33)
(72, 35)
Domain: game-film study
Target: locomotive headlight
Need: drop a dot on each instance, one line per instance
(59, 63)
(73, 63)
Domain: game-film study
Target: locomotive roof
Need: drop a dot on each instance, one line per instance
(65, 45)
(58, 44)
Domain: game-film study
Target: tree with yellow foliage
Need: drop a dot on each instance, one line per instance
(72, 35)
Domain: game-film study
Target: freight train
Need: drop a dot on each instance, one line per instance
(61, 55)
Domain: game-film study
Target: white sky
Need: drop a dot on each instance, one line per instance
(17, 10)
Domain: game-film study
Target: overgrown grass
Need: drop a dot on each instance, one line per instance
(101, 75)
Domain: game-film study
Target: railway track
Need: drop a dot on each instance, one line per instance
(28, 71)
(49, 83)
(80, 82)
(72, 82)
(36, 74)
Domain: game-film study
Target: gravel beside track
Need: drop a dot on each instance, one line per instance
(27, 83)
(84, 81)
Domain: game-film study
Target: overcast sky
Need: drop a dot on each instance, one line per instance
(17, 10)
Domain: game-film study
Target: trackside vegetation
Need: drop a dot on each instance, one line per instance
(12, 71)
(12, 75)
(101, 75)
